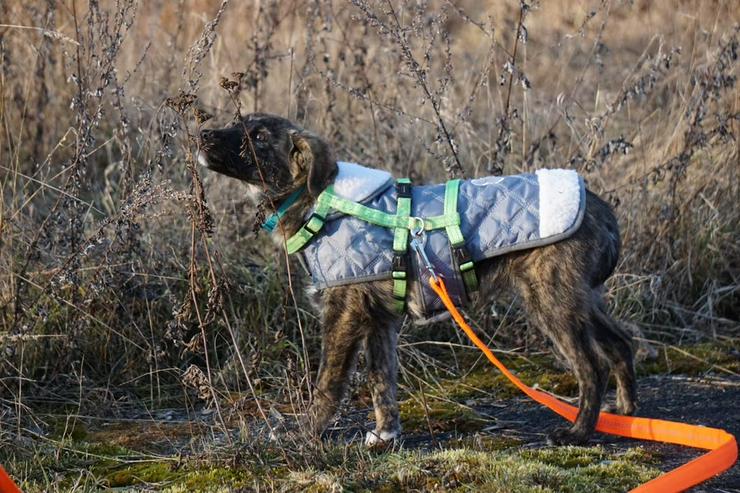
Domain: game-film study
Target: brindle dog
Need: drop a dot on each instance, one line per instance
(561, 285)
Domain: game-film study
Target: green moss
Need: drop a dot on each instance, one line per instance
(486, 379)
(474, 470)
(106, 449)
(542, 371)
(569, 457)
(566, 457)
(201, 480)
(473, 464)
(145, 437)
(149, 472)
(468, 463)
(696, 359)
(489, 443)
(439, 415)
(444, 411)
(67, 428)
(189, 477)
(483, 442)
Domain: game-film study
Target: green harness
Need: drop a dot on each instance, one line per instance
(402, 223)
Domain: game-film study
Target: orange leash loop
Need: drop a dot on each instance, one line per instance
(722, 445)
(6, 484)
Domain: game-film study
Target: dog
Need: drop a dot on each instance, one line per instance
(560, 284)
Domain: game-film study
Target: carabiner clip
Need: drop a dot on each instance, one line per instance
(417, 243)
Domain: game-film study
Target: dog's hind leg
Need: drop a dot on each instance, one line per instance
(592, 374)
(382, 366)
(560, 315)
(616, 345)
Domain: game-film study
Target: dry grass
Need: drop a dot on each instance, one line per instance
(128, 281)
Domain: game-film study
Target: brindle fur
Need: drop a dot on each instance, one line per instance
(561, 284)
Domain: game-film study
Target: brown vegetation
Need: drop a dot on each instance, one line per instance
(127, 280)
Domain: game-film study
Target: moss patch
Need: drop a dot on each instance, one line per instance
(67, 429)
(696, 359)
(463, 469)
(485, 379)
(146, 437)
(113, 458)
(474, 463)
(484, 442)
(189, 477)
(542, 371)
(149, 472)
(439, 415)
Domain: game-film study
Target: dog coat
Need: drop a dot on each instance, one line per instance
(359, 229)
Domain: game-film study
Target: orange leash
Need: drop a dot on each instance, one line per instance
(6, 484)
(721, 445)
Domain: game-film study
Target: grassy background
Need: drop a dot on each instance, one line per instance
(130, 282)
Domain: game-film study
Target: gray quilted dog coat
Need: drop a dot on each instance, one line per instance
(498, 215)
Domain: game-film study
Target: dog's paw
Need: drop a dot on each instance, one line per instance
(374, 439)
(610, 408)
(619, 408)
(626, 409)
(567, 436)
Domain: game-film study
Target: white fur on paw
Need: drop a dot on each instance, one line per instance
(373, 438)
(274, 436)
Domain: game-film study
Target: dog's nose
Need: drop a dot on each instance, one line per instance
(207, 135)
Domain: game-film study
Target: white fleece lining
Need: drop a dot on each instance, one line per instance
(560, 199)
(357, 183)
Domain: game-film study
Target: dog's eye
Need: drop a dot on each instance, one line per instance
(261, 136)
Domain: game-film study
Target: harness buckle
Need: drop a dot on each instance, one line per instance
(403, 190)
(399, 263)
(461, 254)
(313, 216)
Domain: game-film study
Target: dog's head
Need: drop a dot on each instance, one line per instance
(271, 153)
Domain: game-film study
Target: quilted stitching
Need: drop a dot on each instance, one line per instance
(499, 214)
(509, 189)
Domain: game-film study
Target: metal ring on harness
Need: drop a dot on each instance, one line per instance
(418, 226)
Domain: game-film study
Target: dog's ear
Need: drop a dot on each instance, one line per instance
(311, 155)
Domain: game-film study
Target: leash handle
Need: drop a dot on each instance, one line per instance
(722, 446)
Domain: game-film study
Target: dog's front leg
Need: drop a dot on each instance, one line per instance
(346, 324)
(382, 362)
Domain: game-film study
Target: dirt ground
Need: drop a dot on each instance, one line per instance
(690, 400)
(703, 401)
(514, 424)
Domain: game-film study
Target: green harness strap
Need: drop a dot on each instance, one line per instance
(401, 222)
(401, 243)
(454, 234)
(311, 228)
(328, 201)
(380, 218)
